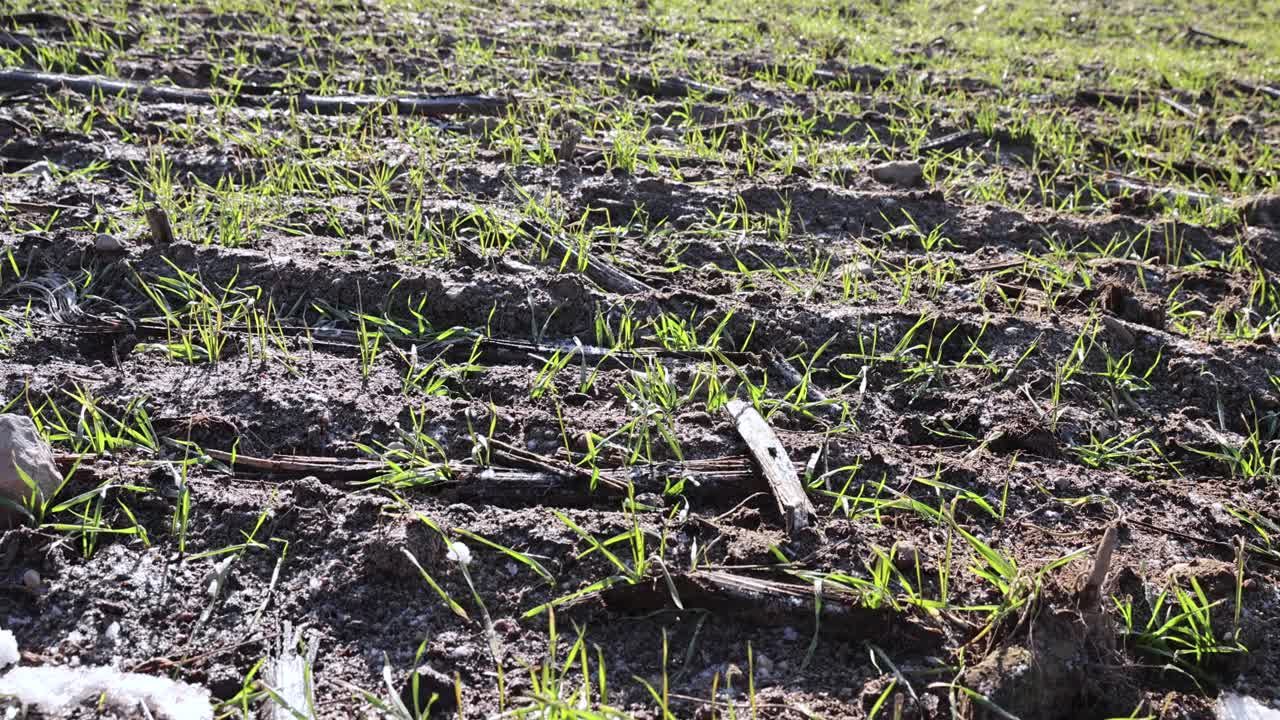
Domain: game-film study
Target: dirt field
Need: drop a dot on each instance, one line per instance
(445, 383)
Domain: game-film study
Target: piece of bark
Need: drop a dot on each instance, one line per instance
(1092, 591)
(1256, 89)
(1179, 107)
(952, 141)
(670, 87)
(762, 601)
(1194, 32)
(1117, 187)
(551, 481)
(598, 269)
(765, 447)
(1110, 97)
(93, 85)
(332, 468)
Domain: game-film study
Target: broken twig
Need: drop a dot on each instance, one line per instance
(599, 270)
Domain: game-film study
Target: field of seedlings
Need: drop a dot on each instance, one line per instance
(650, 359)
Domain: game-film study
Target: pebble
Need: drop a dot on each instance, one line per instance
(460, 652)
(461, 509)
(107, 243)
(662, 132)
(902, 173)
(764, 665)
(506, 626)
(859, 269)
(31, 579)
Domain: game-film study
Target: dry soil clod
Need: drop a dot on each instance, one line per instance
(424, 684)
(1045, 672)
(901, 173)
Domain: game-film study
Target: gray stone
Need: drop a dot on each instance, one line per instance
(107, 243)
(22, 447)
(902, 173)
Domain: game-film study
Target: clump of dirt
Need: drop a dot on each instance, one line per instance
(377, 346)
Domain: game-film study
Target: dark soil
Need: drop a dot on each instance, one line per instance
(965, 411)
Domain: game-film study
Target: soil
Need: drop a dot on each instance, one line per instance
(329, 542)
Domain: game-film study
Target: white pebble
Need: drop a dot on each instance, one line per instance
(459, 553)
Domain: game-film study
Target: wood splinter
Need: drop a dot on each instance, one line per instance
(765, 447)
(1091, 593)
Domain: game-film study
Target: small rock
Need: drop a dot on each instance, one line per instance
(9, 654)
(460, 652)
(764, 665)
(430, 682)
(21, 447)
(107, 243)
(461, 509)
(902, 173)
(906, 557)
(857, 269)
(31, 580)
(662, 132)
